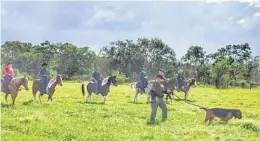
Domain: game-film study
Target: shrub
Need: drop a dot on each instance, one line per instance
(121, 77)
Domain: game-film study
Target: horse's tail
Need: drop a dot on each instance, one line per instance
(132, 85)
(83, 89)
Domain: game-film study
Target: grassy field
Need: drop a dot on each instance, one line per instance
(69, 118)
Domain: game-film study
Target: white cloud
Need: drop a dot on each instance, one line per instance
(255, 3)
(257, 14)
(214, 1)
(179, 24)
(104, 14)
(241, 21)
(112, 15)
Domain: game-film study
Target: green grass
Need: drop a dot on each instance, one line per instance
(69, 118)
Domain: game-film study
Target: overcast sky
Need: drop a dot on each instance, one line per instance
(95, 24)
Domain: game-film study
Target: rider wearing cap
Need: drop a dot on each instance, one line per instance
(96, 77)
(44, 75)
(180, 80)
(143, 80)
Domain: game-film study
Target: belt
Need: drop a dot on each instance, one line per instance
(160, 96)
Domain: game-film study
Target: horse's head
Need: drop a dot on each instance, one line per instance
(25, 82)
(112, 79)
(193, 82)
(59, 80)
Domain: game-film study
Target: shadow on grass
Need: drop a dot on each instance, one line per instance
(185, 100)
(137, 102)
(3, 105)
(98, 103)
(28, 102)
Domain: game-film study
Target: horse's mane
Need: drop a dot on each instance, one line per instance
(104, 81)
(16, 80)
(52, 81)
(189, 81)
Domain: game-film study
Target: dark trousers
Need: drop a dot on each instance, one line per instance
(44, 80)
(6, 81)
(155, 103)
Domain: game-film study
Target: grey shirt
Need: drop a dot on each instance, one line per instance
(158, 89)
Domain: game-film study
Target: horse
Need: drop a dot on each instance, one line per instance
(137, 90)
(14, 87)
(169, 87)
(50, 87)
(185, 88)
(104, 89)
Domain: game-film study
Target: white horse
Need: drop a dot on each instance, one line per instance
(137, 90)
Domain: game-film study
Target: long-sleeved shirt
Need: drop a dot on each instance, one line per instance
(142, 75)
(44, 72)
(158, 89)
(180, 77)
(96, 76)
(8, 71)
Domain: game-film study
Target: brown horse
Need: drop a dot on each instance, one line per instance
(50, 87)
(104, 89)
(185, 88)
(14, 87)
(169, 87)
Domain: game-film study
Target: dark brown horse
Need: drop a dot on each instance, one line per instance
(169, 87)
(50, 87)
(104, 89)
(14, 87)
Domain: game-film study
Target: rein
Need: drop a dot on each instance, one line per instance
(189, 102)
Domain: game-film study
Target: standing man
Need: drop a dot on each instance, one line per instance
(44, 75)
(143, 80)
(180, 80)
(8, 75)
(96, 76)
(157, 99)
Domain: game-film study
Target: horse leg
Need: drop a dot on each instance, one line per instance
(6, 95)
(104, 97)
(13, 97)
(40, 95)
(88, 97)
(186, 95)
(172, 95)
(135, 97)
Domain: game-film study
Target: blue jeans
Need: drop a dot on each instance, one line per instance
(180, 83)
(142, 84)
(5, 82)
(98, 84)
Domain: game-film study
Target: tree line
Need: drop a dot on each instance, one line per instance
(232, 65)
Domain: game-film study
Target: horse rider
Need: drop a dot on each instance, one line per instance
(96, 77)
(180, 80)
(8, 75)
(157, 99)
(44, 75)
(143, 80)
